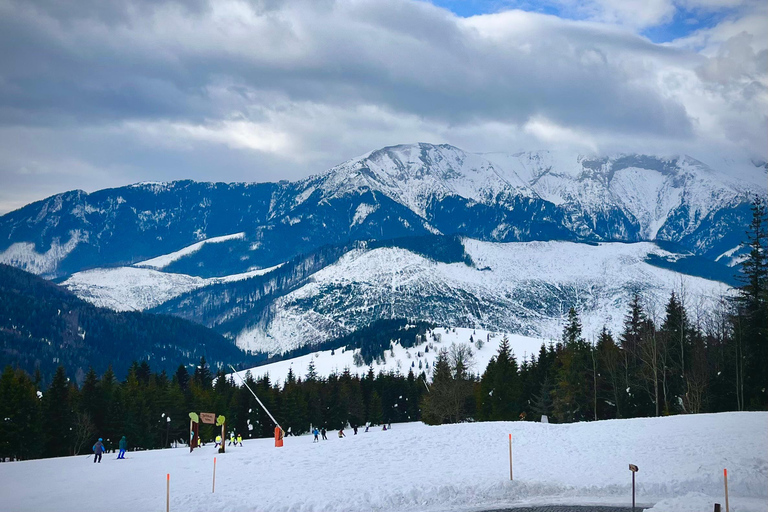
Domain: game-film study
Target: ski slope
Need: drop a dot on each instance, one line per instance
(413, 467)
(420, 357)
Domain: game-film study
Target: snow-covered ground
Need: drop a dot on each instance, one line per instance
(414, 467)
(136, 289)
(420, 357)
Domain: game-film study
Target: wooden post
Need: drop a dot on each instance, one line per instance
(725, 478)
(214, 475)
(168, 492)
(510, 456)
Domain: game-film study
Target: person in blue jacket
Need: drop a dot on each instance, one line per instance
(98, 450)
(317, 433)
(123, 446)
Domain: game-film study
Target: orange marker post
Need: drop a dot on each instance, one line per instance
(510, 456)
(167, 492)
(213, 489)
(725, 479)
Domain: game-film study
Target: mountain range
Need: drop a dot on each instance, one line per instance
(504, 242)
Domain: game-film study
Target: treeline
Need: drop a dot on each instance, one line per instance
(152, 409)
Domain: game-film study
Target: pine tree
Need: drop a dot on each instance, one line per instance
(751, 324)
(58, 416)
(572, 399)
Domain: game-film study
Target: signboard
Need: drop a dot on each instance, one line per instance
(633, 468)
(208, 417)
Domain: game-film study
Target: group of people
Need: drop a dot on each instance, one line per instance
(233, 440)
(323, 432)
(99, 449)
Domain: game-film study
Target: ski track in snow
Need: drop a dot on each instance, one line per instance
(413, 467)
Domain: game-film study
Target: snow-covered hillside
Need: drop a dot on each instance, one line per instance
(416, 468)
(521, 288)
(137, 289)
(421, 357)
(163, 261)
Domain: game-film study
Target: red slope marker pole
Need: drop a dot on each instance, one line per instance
(725, 479)
(214, 475)
(167, 492)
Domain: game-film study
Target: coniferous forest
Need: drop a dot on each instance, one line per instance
(683, 361)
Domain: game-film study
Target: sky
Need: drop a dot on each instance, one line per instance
(104, 93)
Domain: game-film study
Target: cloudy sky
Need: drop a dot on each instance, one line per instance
(101, 93)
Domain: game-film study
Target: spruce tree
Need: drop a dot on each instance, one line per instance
(751, 324)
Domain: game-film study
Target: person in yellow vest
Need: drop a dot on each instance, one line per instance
(240, 440)
(232, 439)
(218, 441)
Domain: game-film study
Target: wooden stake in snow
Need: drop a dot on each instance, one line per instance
(167, 492)
(213, 489)
(510, 456)
(725, 479)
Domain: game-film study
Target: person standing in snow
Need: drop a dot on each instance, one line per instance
(218, 441)
(341, 433)
(317, 433)
(323, 432)
(123, 445)
(355, 429)
(98, 450)
(240, 440)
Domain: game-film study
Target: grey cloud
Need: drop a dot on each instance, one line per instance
(410, 56)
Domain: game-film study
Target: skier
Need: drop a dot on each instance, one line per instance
(367, 425)
(98, 450)
(240, 440)
(316, 433)
(323, 432)
(123, 446)
(232, 439)
(218, 441)
(355, 429)
(341, 433)
(385, 427)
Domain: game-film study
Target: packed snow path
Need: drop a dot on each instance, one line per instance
(413, 467)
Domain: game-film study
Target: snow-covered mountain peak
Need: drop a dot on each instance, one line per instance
(415, 174)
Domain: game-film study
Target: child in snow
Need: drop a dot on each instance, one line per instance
(218, 442)
(123, 446)
(316, 433)
(355, 429)
(341, 433)
(323, 432)
(240, 440)
(98, 450)
(384, 428)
